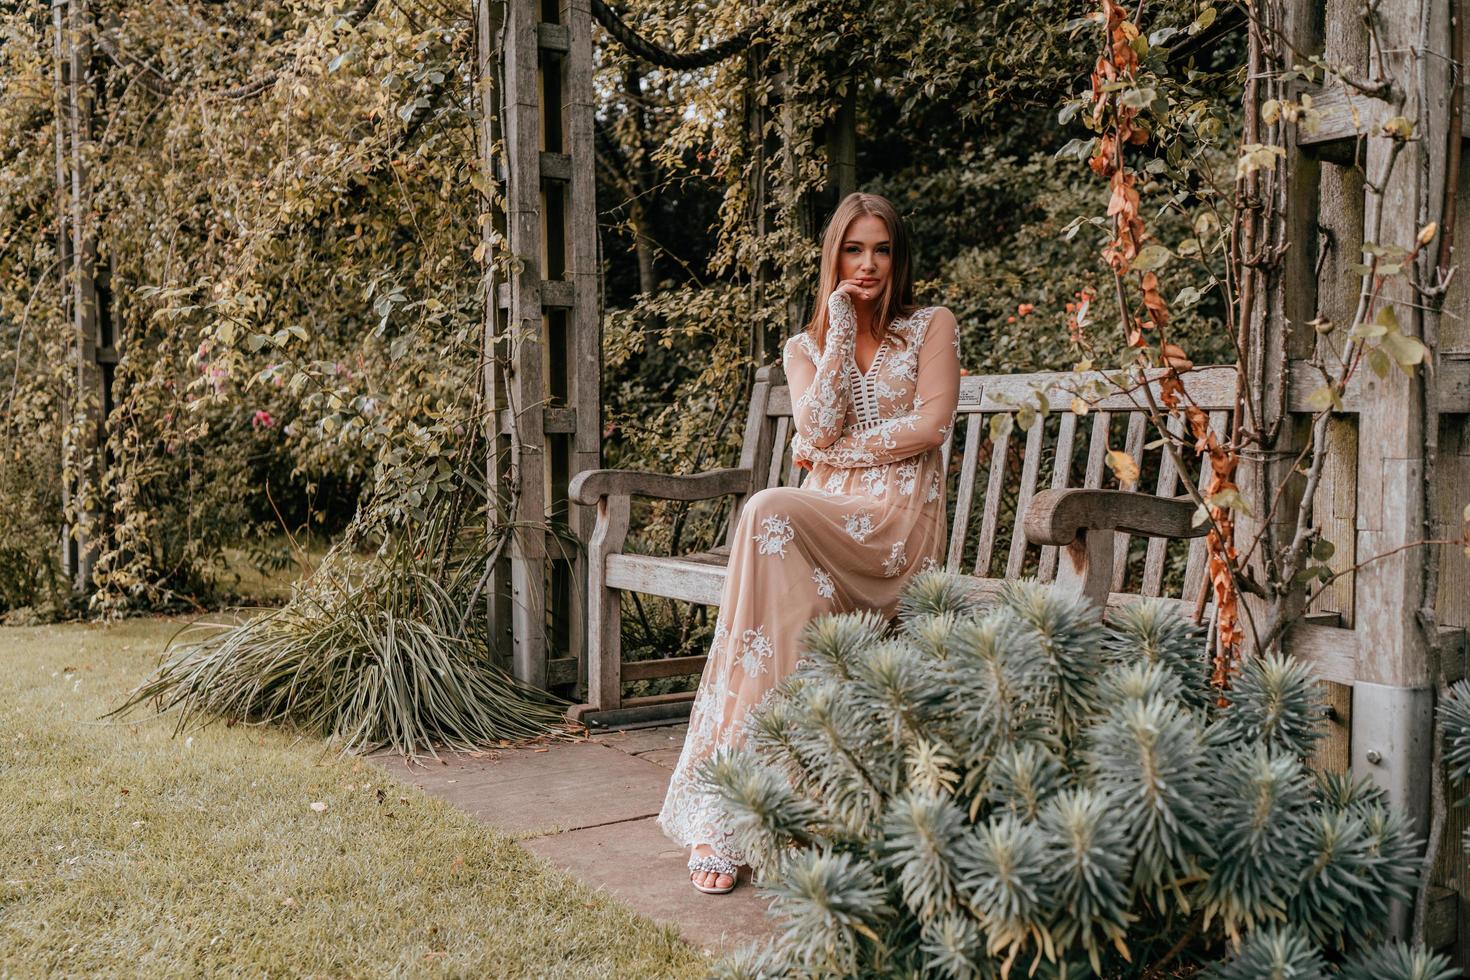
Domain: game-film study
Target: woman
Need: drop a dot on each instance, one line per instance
(874, 383)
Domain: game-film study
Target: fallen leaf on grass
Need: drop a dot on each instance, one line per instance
(319, 807)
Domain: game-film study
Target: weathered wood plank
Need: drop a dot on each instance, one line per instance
(524, 339)
(755, 449)
(640, 670)
(1060, 477)
(1212, 388)
(604, 605)
(778, 452)
(1030, 467)
(1097, 450)
(969, 462)
(991, 515)
(1198, 560)
(675, 578)
(1168, 482)
(1335, 513)
(1451, 381)
(590, 485)
(1346, 116)
(1452, 484)
(1133, 446)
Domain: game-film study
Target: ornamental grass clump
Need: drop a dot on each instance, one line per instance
(367, 654)
(1025, 792)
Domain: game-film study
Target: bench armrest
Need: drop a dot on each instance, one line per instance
(589, 486)
(1057, 517)
(1083, 524)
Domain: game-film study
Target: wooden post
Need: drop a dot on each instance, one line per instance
(583, 361)
(543, 385)
(1393, 699)
(84, 439)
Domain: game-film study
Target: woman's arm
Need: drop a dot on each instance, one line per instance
(820, 391)
(936, 397)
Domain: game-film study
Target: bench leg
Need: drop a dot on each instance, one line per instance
(1086, 567)
(604, 612)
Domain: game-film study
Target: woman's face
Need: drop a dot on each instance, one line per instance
(866, 254)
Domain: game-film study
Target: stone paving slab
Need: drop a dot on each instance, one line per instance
(557, 787)
(588, 807)
(638, 740)
(663, 757)
(637, 864)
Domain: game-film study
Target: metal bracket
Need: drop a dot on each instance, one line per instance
(1393, 745)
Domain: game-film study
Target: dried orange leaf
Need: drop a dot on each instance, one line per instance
(1123, 466)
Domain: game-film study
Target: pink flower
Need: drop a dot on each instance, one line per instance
(261, 419)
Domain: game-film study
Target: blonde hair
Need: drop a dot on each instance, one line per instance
(898, 292)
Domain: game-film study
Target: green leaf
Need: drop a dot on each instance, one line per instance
(1324, 398)
(1137, 98)
(1229, 499)
(1323, 549)
(1152, 257)
(1204, 20)
(1379, 363)
(1406, 351)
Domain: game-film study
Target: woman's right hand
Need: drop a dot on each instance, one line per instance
(857, 289)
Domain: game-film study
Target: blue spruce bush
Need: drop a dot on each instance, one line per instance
(1026, 792)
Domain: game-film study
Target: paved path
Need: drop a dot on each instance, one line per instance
(588, 807)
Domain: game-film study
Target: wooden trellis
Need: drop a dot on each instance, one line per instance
(543, 377)
(1399, 468)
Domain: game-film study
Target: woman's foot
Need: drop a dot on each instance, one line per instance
(711, 873)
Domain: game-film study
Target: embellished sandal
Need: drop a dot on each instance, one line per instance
(719, 865)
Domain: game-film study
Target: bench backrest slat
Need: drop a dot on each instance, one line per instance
(1029, 471)
(1060, 479)
(974, 426)
(775, 472)
(1097, 450)
(1153, 563)
(990, 514)
(1133, 446)
(1051, 455)
(1194, 568)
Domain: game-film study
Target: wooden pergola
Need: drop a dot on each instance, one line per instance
(1384, 638)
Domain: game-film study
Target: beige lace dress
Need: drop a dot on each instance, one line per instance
(869, 515)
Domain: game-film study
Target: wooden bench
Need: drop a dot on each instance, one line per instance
(1079, 521)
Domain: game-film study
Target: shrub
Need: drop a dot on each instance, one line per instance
(1026, 790)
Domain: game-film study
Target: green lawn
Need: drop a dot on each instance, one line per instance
(126, 852)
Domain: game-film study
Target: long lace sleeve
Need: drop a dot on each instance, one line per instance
(819, 384)
(936, 397)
